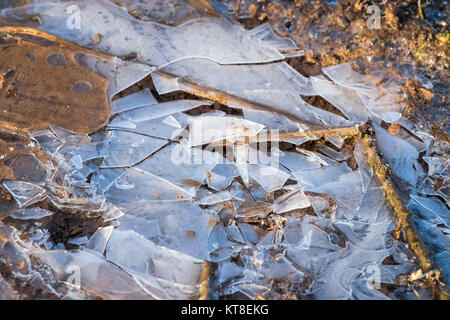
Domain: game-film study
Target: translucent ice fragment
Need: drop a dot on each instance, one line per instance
(181, 165)
(214, 198)
(297, 162)
(165, 273)
(136, 185)
(133, 101)
(221, 176)
(24, 193)
(319, 176)
(346, 100)
(214, 39)
(382, 102)
(120, 74)
(204, 130)
(159, 110)
(263, 85)
(270, 178)
(31, 214)
(265, 34)
(276, 122)
(96, 275)
(127, 149)
(399, 154)
(430, 209)
(99, 240)
(180, 225)
(291, 201)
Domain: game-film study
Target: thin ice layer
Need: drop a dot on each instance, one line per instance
(127, 149)
(163, 273)
(156, 44)
(382, 101)
(133, 101)
(136, 185)
(400, 155)
(94, 273)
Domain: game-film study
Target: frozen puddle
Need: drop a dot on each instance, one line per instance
(172, 187)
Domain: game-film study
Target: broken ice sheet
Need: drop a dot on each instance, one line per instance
(96, 275)
(399, 154)
(346, 100)
(24, 193)
(136, 185)
(35, 213)
(127, 149)
(276, 122)
(270, 178)
(381, 102)
(214, 39)
(99, 240)
(213, 198)
(164, 120)
(221, 176)
(180, 225)
(208, 129)
(291, 201)
(319, 176)
(183, 166)
(133, 101)
(162, 272)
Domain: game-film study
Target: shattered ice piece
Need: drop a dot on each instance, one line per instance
(221, 176)
(180, 225)
(399, 154)
(99, 240)
(296, 161)
(111, 213)
(432, 235)
(46, 140)
(137, 185)
(346, 190)
(133, 101)
(270, 178)
(127, 149)
(204, 130)
(430, 209)
(31, 214)
(78, 241)
(265, 34)
(105, 178)
(24, 193)
(333, 154)
(381, 102)
(181, 165)
(438, 166)
(214, 198)
(319, 176)
(155, 111)
(291, 201)
(96, 275)
(214, 39)
(346, 100)
(337, 141)
(164, 273)
(120, 74)
(276, 122)
(168, 127)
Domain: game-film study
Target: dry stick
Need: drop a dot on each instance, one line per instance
(382, 173)
(270, 136)
(205, 278)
